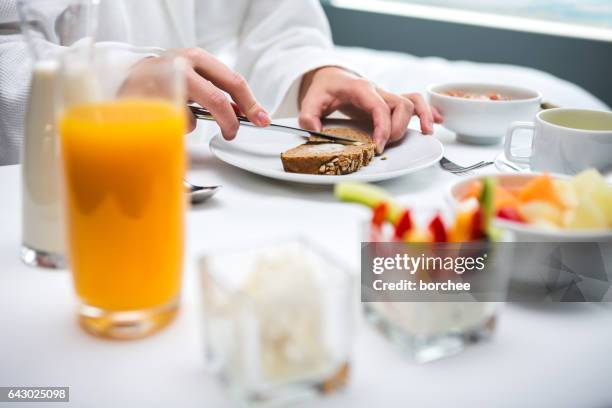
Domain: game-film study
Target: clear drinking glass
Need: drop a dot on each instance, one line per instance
(123, 159)
(278, 321)
(49, 27)
(427, 331)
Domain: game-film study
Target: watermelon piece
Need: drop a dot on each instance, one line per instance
(438, 230)
(404, 225)
(510, 214)
(380, 214)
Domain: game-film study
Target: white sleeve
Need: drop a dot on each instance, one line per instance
(14, 83)
(280, 41)
(15, 71)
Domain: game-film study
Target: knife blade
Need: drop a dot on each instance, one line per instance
(204, 114)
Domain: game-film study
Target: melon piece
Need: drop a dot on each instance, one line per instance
(566, 193)
(588, 215)
(474, 190)
(540, 189)
(462, 230)
(603, 197)
(588, 181)
(591, 184)
(540, 211)
(505, 199)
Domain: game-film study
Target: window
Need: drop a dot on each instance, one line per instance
(577, 18)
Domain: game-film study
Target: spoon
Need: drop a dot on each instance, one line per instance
(199, 194)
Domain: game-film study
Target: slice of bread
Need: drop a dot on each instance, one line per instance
(318, 157)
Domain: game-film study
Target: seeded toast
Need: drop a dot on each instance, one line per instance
(318, 157)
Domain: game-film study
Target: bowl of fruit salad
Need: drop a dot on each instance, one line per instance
(481, 113)
(545, 208)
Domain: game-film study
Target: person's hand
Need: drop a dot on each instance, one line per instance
(206, 79)
(331, 89)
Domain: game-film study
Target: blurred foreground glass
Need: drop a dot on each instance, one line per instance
(278, 321)
(48, 28)
(124, 161)
(427, 331)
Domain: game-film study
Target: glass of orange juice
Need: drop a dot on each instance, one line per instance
(123, 159)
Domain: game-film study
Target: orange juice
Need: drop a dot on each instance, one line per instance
(124, 163)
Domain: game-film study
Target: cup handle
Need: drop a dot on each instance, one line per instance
(508, 144)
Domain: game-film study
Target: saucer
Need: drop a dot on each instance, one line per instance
(503, 165)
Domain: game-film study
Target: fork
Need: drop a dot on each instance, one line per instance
(454, 168)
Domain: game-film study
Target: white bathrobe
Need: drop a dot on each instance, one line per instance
(271, 42)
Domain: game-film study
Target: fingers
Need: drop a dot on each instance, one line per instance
(402, 110)
(423, 111)
(191, 120)
(315, 105)
(366, 98)
(206, 94)
(232, 82)
(438, 118)
(310, 121)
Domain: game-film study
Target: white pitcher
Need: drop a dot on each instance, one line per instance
(48, 26)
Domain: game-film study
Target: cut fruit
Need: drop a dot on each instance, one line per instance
(536, 211)
(505, 199)
(566, 193)
(404, 225)
(487, 198)
(510, 214)
(540, 189)
(418, 235)
(603, 198)
(370, 196)
(593, 191)
(438, 230)
(476, 231)
(474, 190)
(461, 231)
(380, 214)
(588, 215)
(588, 181)
(487, 202)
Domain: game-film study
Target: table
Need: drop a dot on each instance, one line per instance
(555, 355)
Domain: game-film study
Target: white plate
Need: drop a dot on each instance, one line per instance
(258, 151)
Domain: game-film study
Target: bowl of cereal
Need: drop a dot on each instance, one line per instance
(481, 113)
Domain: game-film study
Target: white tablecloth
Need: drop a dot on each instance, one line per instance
(558, 355)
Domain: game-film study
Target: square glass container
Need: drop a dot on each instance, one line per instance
(278, 321)
(427, 331)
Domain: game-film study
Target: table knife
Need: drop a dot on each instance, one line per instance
(204, 114)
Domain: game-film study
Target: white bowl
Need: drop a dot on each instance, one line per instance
(483, 121)
(518, 232)
(533, 273)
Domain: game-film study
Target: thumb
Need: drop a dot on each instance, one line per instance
(313, 108)
(310, 122)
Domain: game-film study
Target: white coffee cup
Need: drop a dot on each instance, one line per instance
(566, 141)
